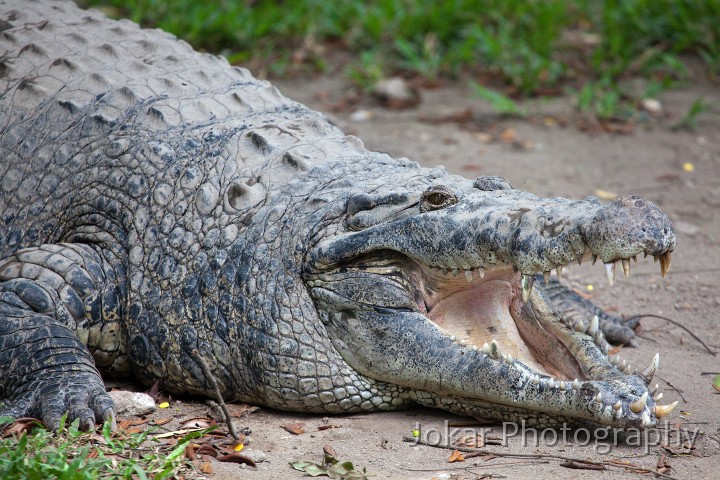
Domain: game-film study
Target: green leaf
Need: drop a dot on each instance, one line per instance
(716, 383)
(312, 469)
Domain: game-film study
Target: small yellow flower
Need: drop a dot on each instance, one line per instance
(589, 287)
(164, 405)
(239, 447)
(688, 167)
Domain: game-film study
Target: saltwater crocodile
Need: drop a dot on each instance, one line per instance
(159, 205)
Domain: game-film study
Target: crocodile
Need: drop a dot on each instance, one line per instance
(162, 209)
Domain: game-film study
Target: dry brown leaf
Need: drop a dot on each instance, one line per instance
(190, 451)
(240, 410)
(134, 430)
(162, 421)
(236, 458)
(178, 433)
(473, 441)
(198, 422)
(508, 135)
(20, 426)
(207, 450)
(328, 450)
(206, 468)
(294, 428)
(456, 456)
(327, 427)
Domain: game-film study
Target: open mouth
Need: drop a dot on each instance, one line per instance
(496, 313)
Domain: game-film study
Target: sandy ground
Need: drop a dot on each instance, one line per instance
(548, 160)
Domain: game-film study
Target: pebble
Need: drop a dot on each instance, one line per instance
(257, 456)
(132, 403)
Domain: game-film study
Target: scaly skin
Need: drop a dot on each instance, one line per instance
(156, 201)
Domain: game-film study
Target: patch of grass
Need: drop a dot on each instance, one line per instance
(75, 455)
(525, 45)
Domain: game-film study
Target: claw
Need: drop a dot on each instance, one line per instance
(662, 410)
(638, 405)
(649, 372)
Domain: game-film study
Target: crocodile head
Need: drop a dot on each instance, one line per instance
(431, 288)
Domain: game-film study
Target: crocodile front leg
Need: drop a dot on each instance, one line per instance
(60, 306)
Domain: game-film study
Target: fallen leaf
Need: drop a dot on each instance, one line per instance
(294, 428)
(178, 433)
(456, 456)
(162, 421)
(508, 135)
(716, 383)
(206, 468)
(134, 430)
(198, 422)
(207, 450)
(328, 450)
(473, 441)
(236, 458)
(326, 427)
(164, 405)
(240, 410)
(20, 426)
(239, 447)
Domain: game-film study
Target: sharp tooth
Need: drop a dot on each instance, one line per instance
(562, 386)
(634, 257)
(456, 272)
(638, 405)
(615, 360)
(550, 383)
(485, 349)
(646, 422)
(618, 414)
(654, 388)
(526, 282)
(576, 384)
(480, 273)
(598, 397)
(610, 271)
(594, 325)
(649, 372)
(598, 337)
(468, 275)
(656, 258)
(536, 379)
(509, 359)
(559, 270)
(618, 405)
(463, 342)
(665, 263)
(628, 370)
(607, 411)
(623, 364)
(626, 267)
(579, 326)
(453, 338)
(494, 349)
(579, 257)
(662, 410)
(658, 396)
(546, 276)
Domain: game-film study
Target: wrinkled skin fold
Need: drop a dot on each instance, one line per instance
(159, 204)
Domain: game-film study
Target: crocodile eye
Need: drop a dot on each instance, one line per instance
(437, 197)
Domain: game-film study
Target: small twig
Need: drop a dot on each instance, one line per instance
(674, 388)
(709, 373)
(635, 468)
(218, 397)
(677, 324)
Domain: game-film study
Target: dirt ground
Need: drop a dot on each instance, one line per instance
(544, 157)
